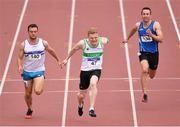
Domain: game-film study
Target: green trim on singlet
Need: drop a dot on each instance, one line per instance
(95, 54)
(99, 42)
(84, 44)
(92, 55)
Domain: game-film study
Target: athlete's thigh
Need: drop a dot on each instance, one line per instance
(94, 79)
(38, 83)
(144, 65)
(143, 58)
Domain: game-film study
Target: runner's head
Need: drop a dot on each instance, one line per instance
(32, 31)
(93, 36)
(146, 14)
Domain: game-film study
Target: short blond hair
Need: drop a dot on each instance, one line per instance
(92, 30)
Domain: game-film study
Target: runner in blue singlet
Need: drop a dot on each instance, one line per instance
(150, 35)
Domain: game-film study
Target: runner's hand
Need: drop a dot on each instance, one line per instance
(148, 31)
(64, 62)
(20, 69)
(125, 41)
(59, 63)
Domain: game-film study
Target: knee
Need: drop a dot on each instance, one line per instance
(80, 95)
(152, 76)
(38, 92)
(93, 86)
(145, 72)
(28, 95)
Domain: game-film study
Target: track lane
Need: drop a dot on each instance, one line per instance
(53, 20)
(158, 102)
(176, 10)
(112, 108)
(8, 23)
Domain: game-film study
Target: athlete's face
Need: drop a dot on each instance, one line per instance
(146, 15)
(93, 38)
(33, 33)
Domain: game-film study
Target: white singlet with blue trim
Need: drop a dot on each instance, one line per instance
(92, 57)
(34, 56)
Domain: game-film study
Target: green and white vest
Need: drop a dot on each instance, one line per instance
(92, 57)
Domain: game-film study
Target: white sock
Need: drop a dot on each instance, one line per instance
(91, 108)
(81, 105)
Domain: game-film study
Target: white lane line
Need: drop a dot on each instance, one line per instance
(100, 91)
(173, 19)
(63, 122)
(108, 78)
(13, 45)
(128, 65)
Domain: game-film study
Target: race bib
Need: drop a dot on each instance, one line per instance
(146, 39)
(93, 61)
(34, 56)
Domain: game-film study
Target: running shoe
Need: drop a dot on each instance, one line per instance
(80, 109)
(29, 114)
(92, 113)
(145, 98)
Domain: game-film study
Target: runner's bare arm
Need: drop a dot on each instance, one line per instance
(157, 28)
(132, 32)
(105, 40)
(77, 46)
(20, 57)
(51, 51)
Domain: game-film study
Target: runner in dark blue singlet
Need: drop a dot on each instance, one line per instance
(150, 35)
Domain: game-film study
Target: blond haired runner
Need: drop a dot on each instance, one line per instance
(31, 60)
(92, 58)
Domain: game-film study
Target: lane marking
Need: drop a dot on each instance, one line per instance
(128, 65)
(63, 121)
(173, 19)
(108, 78)
(13, 45)
(101, 91)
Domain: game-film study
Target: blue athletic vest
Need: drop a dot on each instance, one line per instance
(146, 43)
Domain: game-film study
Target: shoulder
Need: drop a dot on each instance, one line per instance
(45, 43)
(22, 45)
(105, 40)
(156, 25)
(136, 26)
(79, 44)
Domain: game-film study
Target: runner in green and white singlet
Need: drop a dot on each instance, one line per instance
(92, 58)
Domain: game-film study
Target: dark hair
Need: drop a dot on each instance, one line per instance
(32, 25)
(146, 8)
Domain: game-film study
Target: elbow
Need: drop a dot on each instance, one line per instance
(161, 40)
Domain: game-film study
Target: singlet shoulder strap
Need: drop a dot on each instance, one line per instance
(85, 43)
(100, 41)
(140, 26)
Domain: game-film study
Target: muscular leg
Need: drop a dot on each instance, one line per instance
(28, 93)
(144, 75)
(38, 85)
(80, 96)
(93, 90)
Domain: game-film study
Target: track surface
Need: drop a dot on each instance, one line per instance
(114, 103)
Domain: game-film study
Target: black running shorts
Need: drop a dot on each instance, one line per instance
(152, 58)
(85, 77)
